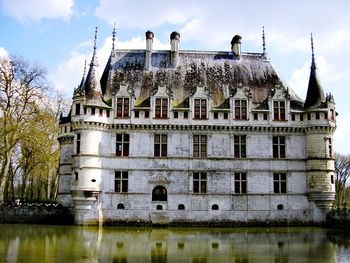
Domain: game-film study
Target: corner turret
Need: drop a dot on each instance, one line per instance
(319, 130)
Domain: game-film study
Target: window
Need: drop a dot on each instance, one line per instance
(200, 108)
(137, 114)
(308, 116)
(76, 174)
(100, 112)
(107, 113)
(176, 114)
(225, 115)
(279, 110)
(123, 107)
(199, 146)
(215, 207)
(146, 114)
(256, 116)
(78, 141)
(200, 183)
(240, 109)
(332, 115)
(93, 110)
(329, 147)
(280, 207)
(279, 183)
(181, 207)
(240, 183)
(85, 110)
(185, 115)
(77, 109)
(265, 116)
(121, 182)
(159, 207)
(279, 146)
(122, 144)
(120, 206)
(293, 117)
(301, 117)
(332, 179)
(216, 115)
(160, 145)
(161, 108)
(317, 115)
(159, 193)
(240, 146)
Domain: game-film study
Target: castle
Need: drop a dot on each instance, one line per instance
(195, 137)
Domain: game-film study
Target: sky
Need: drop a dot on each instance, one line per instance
(59, 34)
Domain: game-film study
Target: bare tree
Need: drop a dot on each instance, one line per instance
(342, 173)
(22, 87)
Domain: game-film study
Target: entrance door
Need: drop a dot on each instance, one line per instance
(159, 193)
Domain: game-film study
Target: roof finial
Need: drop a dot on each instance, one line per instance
(312, 48)
(95, 41)
(113, 37)
(263, 39)
(84, 68)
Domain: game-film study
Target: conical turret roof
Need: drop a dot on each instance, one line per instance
(106, 79)
(92, 85)
(315, 94)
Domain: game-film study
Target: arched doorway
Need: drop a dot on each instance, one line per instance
(159, 193)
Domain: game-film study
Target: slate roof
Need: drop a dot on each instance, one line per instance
(220, 72)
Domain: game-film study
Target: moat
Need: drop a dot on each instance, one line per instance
(41, 243)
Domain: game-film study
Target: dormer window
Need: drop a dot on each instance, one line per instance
(241, 109)
(200, 109)
(123, 105)
(279, 110)
(161, 108)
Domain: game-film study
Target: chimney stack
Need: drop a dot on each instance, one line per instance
(174, 42)
(236, 46)
(149, 49)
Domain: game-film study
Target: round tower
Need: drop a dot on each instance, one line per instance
(320, 126)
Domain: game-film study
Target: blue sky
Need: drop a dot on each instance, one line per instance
(59, 35)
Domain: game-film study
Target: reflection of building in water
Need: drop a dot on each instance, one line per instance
(195, 137)
(55, 244)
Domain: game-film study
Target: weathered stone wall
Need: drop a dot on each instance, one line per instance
(35, 214)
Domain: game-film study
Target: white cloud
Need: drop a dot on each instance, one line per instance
(3, 53)
(146, 14)
(68, 74)
(38, 9)
(341, 142)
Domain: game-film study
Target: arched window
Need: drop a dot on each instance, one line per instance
(159, 207)
(120, 206)
(181, 207)
(159, 193)
(280, 207)
(215, 207)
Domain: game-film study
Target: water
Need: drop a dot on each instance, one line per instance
(37, 243)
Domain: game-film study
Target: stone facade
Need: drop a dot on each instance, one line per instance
(192, 137)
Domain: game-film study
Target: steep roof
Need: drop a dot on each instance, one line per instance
(220, 72)
(92, 86)
(315, 94)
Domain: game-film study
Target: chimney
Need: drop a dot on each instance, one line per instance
(236, 46)
(174, 42)
(149, 49)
